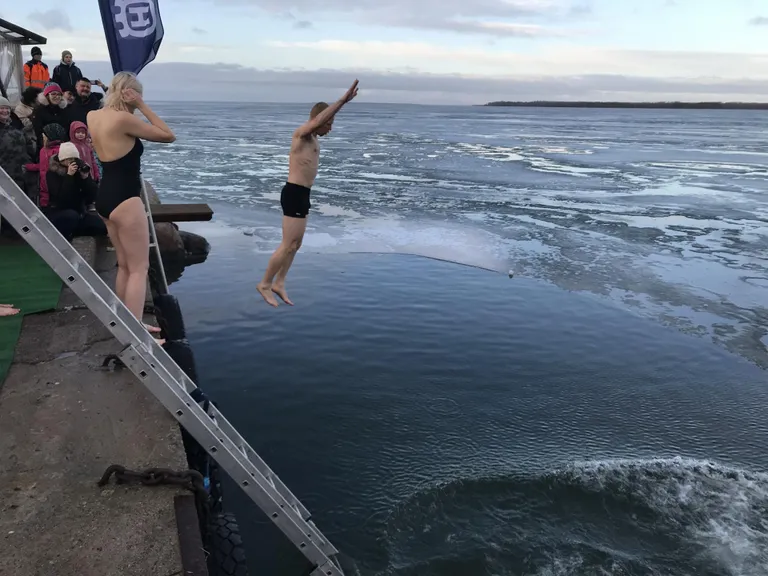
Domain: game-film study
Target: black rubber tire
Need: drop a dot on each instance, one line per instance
(226, 556)
(169, 317)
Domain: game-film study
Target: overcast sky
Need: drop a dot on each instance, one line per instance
(433, 51)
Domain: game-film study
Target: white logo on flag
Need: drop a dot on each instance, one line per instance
(135, 18)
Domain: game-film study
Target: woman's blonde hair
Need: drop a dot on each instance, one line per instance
(122, 81)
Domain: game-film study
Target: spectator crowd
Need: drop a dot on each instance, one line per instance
(45, 144)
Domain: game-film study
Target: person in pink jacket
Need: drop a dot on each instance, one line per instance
(79, 136)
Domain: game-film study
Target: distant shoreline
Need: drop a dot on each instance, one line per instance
(665, 105)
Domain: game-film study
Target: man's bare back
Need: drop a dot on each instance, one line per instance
(304, 160)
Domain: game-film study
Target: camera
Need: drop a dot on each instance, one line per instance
(82, 166)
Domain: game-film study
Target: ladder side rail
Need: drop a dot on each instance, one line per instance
(255, 459)
(154, 245)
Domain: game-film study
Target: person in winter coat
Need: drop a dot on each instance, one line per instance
(79, 136)
(51, 109)
(24, 111)
(36, 71)
(54, 136)
(66, 74)
(13, 146)
(85, 101)
(71, 190)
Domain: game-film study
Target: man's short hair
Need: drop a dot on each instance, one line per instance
(317, 108)
(84, 79)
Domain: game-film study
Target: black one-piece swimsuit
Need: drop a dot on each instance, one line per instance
(120, 180)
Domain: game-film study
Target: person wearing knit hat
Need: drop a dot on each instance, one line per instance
(52, 88)
(54, 132)
(52, 135)
(66, 74)
(51, 109)
(7, 115)
(70, 191)
(68, 151)
(36, 71)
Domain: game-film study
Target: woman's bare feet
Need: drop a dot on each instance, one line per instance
(8, 310)
(280, 291)
(266, 293)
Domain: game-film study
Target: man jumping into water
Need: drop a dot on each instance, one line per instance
(294, 199)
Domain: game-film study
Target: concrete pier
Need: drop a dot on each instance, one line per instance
(63, 420)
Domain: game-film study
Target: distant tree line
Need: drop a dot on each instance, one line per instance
(681, 105)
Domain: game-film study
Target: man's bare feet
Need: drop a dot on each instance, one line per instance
(266, 293)
(152, 329)
(280, 291)
(8, 310)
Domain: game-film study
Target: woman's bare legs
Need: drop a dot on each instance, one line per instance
(8, 310)
(122, 269)
(130, 224)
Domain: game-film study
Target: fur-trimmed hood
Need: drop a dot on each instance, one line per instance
(42, 100)
(55, 166)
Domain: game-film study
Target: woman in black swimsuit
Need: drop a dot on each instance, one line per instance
(116, 134)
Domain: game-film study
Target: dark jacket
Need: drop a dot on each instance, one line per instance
(17, 123)
(13, 152)
(66, 76)
(69, 192)
(79, 108)
(48, 114)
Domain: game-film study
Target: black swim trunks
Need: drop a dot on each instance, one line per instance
(294, 200)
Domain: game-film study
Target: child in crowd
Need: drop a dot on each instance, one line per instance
(80, 137)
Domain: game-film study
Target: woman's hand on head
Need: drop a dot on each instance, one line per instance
(130, 96)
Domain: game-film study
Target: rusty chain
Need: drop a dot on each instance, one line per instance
(190, 479)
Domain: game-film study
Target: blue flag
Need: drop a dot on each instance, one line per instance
(134, 32)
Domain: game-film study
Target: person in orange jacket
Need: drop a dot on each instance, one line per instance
(36, 71)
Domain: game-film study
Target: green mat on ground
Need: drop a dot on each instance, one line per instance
(29, 284)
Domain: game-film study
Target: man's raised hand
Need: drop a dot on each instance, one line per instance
(351, 93)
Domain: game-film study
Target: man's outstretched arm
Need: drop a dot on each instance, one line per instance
(326, 115)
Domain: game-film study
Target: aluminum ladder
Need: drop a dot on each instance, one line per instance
(154, 245)
(167, 381)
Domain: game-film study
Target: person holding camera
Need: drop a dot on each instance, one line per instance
(72, 192)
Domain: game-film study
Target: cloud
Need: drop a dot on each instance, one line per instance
(759, 21)
(229, 82)
(53, 19)
(561, 60)
(199, 31)
(511, 18)
(501, 29)
(302, 24)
